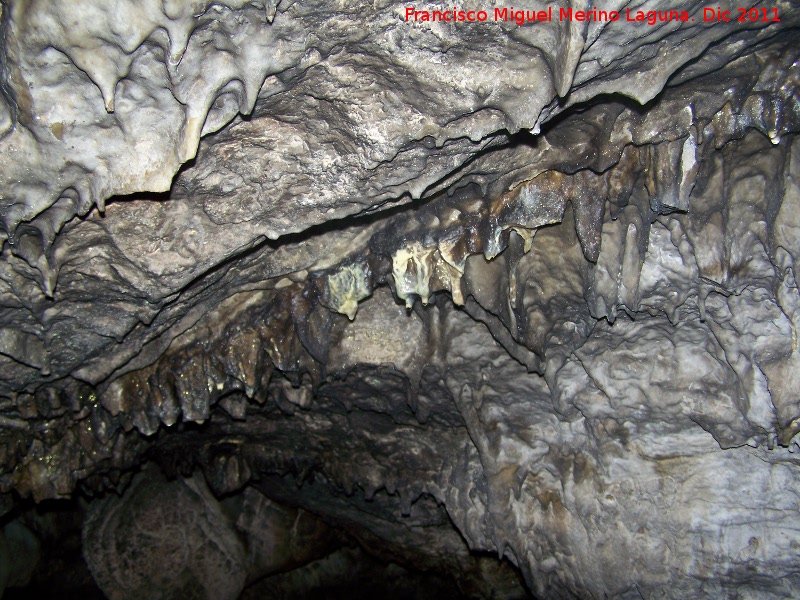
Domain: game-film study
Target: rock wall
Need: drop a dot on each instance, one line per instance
(454, 288)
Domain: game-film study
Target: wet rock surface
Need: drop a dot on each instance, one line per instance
(296, 296)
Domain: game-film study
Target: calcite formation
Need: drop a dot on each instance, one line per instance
(302, 295)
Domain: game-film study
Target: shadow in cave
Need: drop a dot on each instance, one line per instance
(61, 572)
(349, 570)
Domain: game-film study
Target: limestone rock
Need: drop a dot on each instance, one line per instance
(458, 289)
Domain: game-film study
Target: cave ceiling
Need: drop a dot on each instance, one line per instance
(461, 289)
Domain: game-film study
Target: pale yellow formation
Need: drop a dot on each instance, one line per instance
(348, 286)
(411, 268)
(527, 237)
(414, 266)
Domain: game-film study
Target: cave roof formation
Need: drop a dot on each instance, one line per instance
(530, 285)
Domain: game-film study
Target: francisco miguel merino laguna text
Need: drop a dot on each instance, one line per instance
(651, 17)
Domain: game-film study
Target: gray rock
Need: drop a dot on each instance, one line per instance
(456, 288)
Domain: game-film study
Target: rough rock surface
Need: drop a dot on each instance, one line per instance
(173, 539)
(453, 288)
